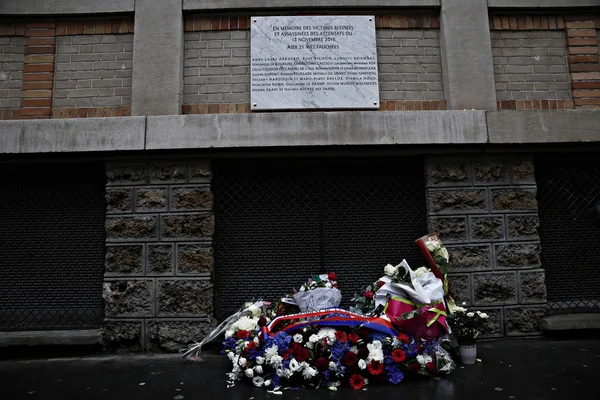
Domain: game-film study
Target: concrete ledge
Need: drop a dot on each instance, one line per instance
(40, 7)
(315, 129)
(72, 135)
(571, 321)
(568, 126)
(542, 3)
(47, 338)
(240, 4)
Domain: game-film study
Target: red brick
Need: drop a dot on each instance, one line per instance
(521, 23)
(115, 24)
(213, 108)
(497, 22)
(545, 105)
(537, 22)
(40, 32)
(39, 68)
(585, 85)
(435, 22)
(36, 103)
(545, 23)
(513, 23)
(39, 50)
(552, 22)
(124, 28)
(39, 58)
(528, 22)
(79, 28)
(185, 109)
(586, 93)
(583, 59)
(205, 22)
(583, 50)
(386, 22)
(234, 23)
(107, 26)
(580, 102)
(581, 32)
(41, 24)
(99, 29)
(571, 18)
(584, 67)
(395, 21)
(61, 28)
(427, 105)
(403, 19)
(590, 24)
(203, 109)
(38, 77)
(568, 104)
(70, 27)
(426, 21)
(225, 23)
(505, 23)
(36, 111)
(581, 41)
(37, 85)
(215, 24)
(390, 106)
(131, 26)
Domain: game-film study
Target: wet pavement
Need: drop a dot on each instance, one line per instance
(510, 369)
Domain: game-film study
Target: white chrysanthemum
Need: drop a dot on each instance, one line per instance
(258, 369)
(276, 361)
(421, 271)
(271, 352)
(362, 364)
(228, 333)
(332, 366)
(298, 338)
(314, 338)
(328, 333)
(259, 360)
(295, 365)
(375, 351)
(390, 270)
(309, 372)
(231, 356)
(245, 324)
(249, 372)
(470, 314)
(258, 381)
(284, 373)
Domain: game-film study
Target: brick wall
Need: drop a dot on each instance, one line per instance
(11, 74)
(93, 71)
(485, 210)
(530, 65)
(159, 258)
(410, 66)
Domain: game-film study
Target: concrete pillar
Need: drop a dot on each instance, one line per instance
(157, 86)
(467, 55)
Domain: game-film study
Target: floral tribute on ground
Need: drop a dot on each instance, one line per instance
(396, 329)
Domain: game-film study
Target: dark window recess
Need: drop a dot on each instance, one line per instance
(278, 222)
(51, 246)
(569, 197)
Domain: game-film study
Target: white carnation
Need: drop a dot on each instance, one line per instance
(314, 338)
(354, 349)
(231, 356)
(362, 364)
(309, 372)
(271, 352)
(375, 351)
(268, 382)
(298, 338)
(423, 359)
(276, 361)
(328, 333)
(328, 285)
(309, 345)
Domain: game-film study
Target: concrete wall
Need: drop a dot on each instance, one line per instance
(93, 70)
(530, 65)
(159, 260)
(11, 71)
(485, 210)
(410, 66)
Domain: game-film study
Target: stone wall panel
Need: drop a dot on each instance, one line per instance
(494, 289)
(450, 229)
(127, 259)
(131, 228)
(514, 199)
(118, 200)
(160, 259)
(466, 258)
(185, 298)
(487, 229)
(128, 298)
(532, 287)
(517, 256)
(524, 321)
(458, 201)
(523, 227)
(172, 336)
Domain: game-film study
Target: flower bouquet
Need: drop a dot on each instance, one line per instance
(466, 327)
(435, 253)
(318, 293)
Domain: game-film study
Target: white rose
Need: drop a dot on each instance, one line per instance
(250, 373)
(362, 364)
(483, 315)
(259, 360)
(255, 311)
(432, 244)
(313, 338)
(258, 370)
(421, 271)
(390, 270)
(228, 334)
(242, 361)
(298, 338)
(470, 314)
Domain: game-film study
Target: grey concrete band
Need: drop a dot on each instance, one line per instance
(542, 3)
(202, 5)
(42, 7)
(51, 338)
(72, 135)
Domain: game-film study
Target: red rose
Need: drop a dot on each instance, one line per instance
(398, 355)
(301, 354)
(363, 352)
(262, 321)
(321, 364)
(331, 276)
(350, 359)
(430, 367)
(375, 367)
(243, 334)
(357, 381)
(369, 295)
(340, 336)
(414, 368)
(403, 338)
(380, 283)
(353, 337)
(251, 345)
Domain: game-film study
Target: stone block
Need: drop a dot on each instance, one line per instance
(490, 170)
(191, 198)
(125, 174)
(124, 259)
(172, 336)
(185, 297)
(448, 172)
(118, 200)
(518, 255)
(457, 201)
(189, 226)
(130, 227)
(194, 259)
(122, 336)
(523, 227)
(160, 259)
(167, 173)
(151, 199)
(532, 287)
(523, 321)
(523, 171)
(128, 298)
(450, 229)
(494, 289)
(514, 199)
(487, 228)
(470, 257)
(460, 288)
(495, 325)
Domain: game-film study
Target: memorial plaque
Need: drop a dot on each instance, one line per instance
(307, 62)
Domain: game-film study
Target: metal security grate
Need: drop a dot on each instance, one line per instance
(51, 246)
(568, 191)
(277, 222)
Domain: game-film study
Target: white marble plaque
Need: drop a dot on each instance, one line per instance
(307, 62)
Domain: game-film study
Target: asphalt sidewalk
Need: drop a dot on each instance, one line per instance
(510, 369)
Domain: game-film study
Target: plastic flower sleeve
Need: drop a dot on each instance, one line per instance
(318, 299)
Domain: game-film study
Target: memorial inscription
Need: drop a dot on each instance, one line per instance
(308, 62)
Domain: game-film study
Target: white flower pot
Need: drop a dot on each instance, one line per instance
(468, 353)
